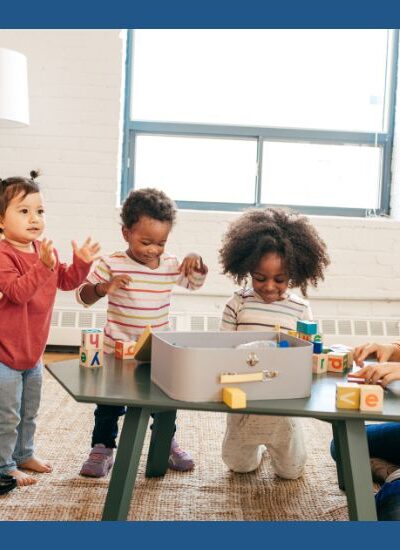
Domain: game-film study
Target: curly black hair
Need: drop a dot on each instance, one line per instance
(147, 202)
(13, 186)
(288, 234)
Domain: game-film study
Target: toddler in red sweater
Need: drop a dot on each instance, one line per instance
(30, 273)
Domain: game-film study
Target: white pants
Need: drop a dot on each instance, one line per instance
(246, 435)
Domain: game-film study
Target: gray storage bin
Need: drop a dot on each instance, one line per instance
(187, 365)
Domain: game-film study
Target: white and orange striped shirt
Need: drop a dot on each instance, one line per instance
(144, 301)
(246, 310)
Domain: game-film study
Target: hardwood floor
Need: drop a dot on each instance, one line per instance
(54, 357)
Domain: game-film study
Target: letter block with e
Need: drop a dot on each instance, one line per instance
(371, 398)
(91, 357)
(92, 338)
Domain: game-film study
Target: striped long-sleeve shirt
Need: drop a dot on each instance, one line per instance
(246, 310)
(144, 301)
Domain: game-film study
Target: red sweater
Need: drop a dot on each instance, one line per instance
(27, 293)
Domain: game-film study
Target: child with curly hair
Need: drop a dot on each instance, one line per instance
(30, 273)
(277, 251)
(138, 283)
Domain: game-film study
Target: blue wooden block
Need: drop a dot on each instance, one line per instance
(307, 327)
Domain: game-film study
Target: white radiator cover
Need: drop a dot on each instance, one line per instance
(67, 323)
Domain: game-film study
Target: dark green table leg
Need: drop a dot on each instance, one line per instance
(356, 469)
(126, 464)
(338, 453)
(160, 443)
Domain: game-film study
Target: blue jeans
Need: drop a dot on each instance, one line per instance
(384, 442)
(19, 404)
(106, 424)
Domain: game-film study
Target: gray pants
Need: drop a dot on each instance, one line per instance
(246, 435)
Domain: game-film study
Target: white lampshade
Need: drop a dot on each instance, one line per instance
(14, 104)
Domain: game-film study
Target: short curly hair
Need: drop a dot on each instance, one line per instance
(286, 233)
(15, 185)
(149, 202)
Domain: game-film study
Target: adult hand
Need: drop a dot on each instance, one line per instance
(382, 372)
(46, 253)
(383, 352)
(88, 252)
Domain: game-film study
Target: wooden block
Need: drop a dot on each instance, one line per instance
(92, 338)
(125, 350)
(143, 346)
(338, 362)
(235, 398)
(91, 357)
(304, 336)
(320, 363)
(307, 327)
(293, 333)
(347, 396)
(371, 398)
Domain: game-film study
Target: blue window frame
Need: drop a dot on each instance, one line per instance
(340, 168)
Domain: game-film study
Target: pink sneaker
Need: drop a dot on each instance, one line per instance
(99, 462)
(179, 459)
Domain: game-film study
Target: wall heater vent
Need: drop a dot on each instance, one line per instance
(66, 326)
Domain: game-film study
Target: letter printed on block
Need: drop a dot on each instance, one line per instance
(347, 396)
(371, 398)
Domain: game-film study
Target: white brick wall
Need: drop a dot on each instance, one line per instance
(75, 79)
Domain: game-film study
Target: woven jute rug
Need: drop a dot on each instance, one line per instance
(210, 493)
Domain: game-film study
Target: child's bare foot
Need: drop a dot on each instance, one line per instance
(36, 465)
(22, 478)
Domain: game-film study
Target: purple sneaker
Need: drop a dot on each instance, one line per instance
(99, 462)
(179, 459)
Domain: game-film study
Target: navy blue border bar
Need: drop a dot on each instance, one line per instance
(200, 14)
(196, 535)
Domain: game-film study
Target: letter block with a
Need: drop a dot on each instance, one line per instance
(125, 350)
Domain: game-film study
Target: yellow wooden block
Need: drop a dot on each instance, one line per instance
(320, 363)
(143, 345)
(338, 362)
(371, 398)
(235, 398)
(347, 396)
(293, 333)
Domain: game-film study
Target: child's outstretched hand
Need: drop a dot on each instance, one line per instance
(119, 281)
(193, 263)
(46, 253)
(384, 372)
(88, 252)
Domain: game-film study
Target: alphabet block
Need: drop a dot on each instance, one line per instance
(338, 362)
(371, 398)
(92, 338)
(307, 327)
(91, 357)
(235, 398)
(320, 363)
(125, 350)
(347, 396)
(292, 333)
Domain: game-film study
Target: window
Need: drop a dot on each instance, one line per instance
(224, 119)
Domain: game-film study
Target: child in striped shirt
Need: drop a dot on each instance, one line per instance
(277, 251)
(138, 284)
